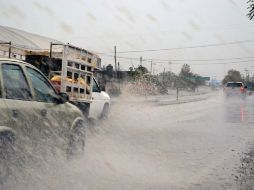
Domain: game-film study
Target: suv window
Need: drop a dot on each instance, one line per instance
(1, 94)
(44, 92)
(234, 84)
(15, 83)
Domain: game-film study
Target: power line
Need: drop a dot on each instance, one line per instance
(180, 60)
(214, 63)
(225, 61)
(200, 60)
(186, 47)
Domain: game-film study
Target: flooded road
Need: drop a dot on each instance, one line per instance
(195, 145)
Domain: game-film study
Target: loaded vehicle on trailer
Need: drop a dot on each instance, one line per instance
(71, 70)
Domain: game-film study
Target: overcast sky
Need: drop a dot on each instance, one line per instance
(132, 25)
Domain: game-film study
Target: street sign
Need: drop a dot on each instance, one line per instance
(199, 78)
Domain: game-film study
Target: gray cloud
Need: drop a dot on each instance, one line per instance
(91, 16)
(142, 40)
(129, 44)
(193, 25)
(66, 27)
(79, 1)
(165, 5)
(126, 13)
(5, 14)
(186, 35)
(44, 8)
(232, 2)
(246, 50)
(220, 38)
(17, 12)
(14, 14)
(151, 18)
(118, 18)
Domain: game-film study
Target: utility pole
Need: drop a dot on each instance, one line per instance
(141, 60)
(10, 49)
(50, 50)
(7, 43)
(177, 93)
(115, 60)
(224, 67)
(154, 70)
(117, 70)
(163, 74)
(151, 67)
(169, 63)
(118, 76)
(246, 74)
(246, 71)
(132, 64)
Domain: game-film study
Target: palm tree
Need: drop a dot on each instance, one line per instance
(251, 9)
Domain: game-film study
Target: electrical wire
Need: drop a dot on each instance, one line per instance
(240, 59)
(186, 47)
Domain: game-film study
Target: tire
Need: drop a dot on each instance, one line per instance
(7, 155)
(105, 111)
(77, 138)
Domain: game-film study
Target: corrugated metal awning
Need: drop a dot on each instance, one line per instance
(25, 40)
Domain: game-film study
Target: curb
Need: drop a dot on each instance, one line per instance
(170, 102)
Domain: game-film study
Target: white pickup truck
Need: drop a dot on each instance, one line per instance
(71, 70)
(100, 105)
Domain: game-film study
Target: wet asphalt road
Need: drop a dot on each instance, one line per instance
(195, 145)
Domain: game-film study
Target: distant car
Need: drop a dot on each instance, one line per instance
(235, 89)
(31, 109)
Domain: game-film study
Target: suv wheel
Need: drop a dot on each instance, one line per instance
(7, 156)
(76, 142)
(105, 112)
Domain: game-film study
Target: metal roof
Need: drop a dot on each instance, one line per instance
(25, 40)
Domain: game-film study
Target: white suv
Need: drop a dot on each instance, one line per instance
(235, 89)
(31, 109)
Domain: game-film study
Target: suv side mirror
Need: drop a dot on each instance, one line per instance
(102, 88)
(245, 87)
(64, 97)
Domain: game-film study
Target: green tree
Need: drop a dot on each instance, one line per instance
(188, 79)
(232, 76)
(185, 77)
(139, 72)
(108, 70)
(167, 78)
(251, 9)
(185, 71)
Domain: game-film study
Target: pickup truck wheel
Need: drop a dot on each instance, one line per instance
(6, 155)
(105, 112)
(77, 139)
